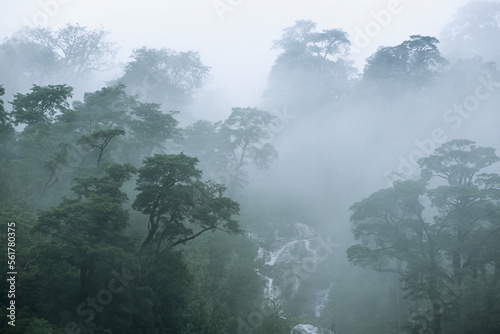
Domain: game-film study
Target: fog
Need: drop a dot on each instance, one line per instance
(235, 40)
(349, 141)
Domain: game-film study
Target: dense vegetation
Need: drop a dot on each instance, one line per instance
(127, 222)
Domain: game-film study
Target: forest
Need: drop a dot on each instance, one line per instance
(346, 201)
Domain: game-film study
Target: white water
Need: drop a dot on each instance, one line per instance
(271, 292)
(304, 230)
(321, 300)
(309, 329)
(260, 253)
(280, 260)
(273, 256)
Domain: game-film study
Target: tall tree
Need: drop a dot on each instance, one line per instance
(102, 113)
(43, 56)
(89, 229)
(23, 62)
(411, 65)
(164, 76)
(80, 50)
(6, 128)
(41, 105)
(100, 139)
(179, 206)
(311, 68)
(43, 145)
(246, 134)
(100, 117)
(227, 149)
(440, 259)
(472, 32)
(153, 128)
(103, 109)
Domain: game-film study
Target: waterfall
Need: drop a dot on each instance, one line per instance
(290, 263)
(273, 256)
(321, 300)
(309, 329)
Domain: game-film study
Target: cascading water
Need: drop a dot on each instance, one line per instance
(288, 263)
(322, 298)
(309, 329)
(273, 256)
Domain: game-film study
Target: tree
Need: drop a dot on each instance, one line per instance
(227, 149)
(390, 226)
(79, 50)
(41, 105)
(100, 117)
(41, 56)
(438, 259)
(147, 129)
(164, 76)
(475, 27)
(153, 128)
(412, 64)
(79, 244)
(103, 109)
(203, 140)
(100, 139)
(467, 199)
(246, 134)
(6, 129)
(88, 229)
(43, 145)
(7, 140)
(311, 69)
(24, 62)
(179, 206)
(456, 81)
(223, 266)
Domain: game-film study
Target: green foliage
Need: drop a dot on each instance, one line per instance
(226, 149)
(41, 105)
(275, 321)
(224, 267)
(458, 162)
(6, 128)
(89, 228)
(164, 76)
(412, 64)
(67, 174)
(179, 206)
(153, 128)
(41, 152)
(71, 249)
(40, 326)
(100, 139)
(440, 260)
(106, 108)
(311, 69)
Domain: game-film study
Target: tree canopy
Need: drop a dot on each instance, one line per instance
(440, 257)
(312, 66)
(164, 76)
(414, 63)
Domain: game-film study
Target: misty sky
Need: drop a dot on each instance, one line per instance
(233, 36)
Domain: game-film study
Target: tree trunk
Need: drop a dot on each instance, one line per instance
(154, 224)
(457, 277)
(436, 318)
(86, 273)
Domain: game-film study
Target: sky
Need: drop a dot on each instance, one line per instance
(234, 37)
